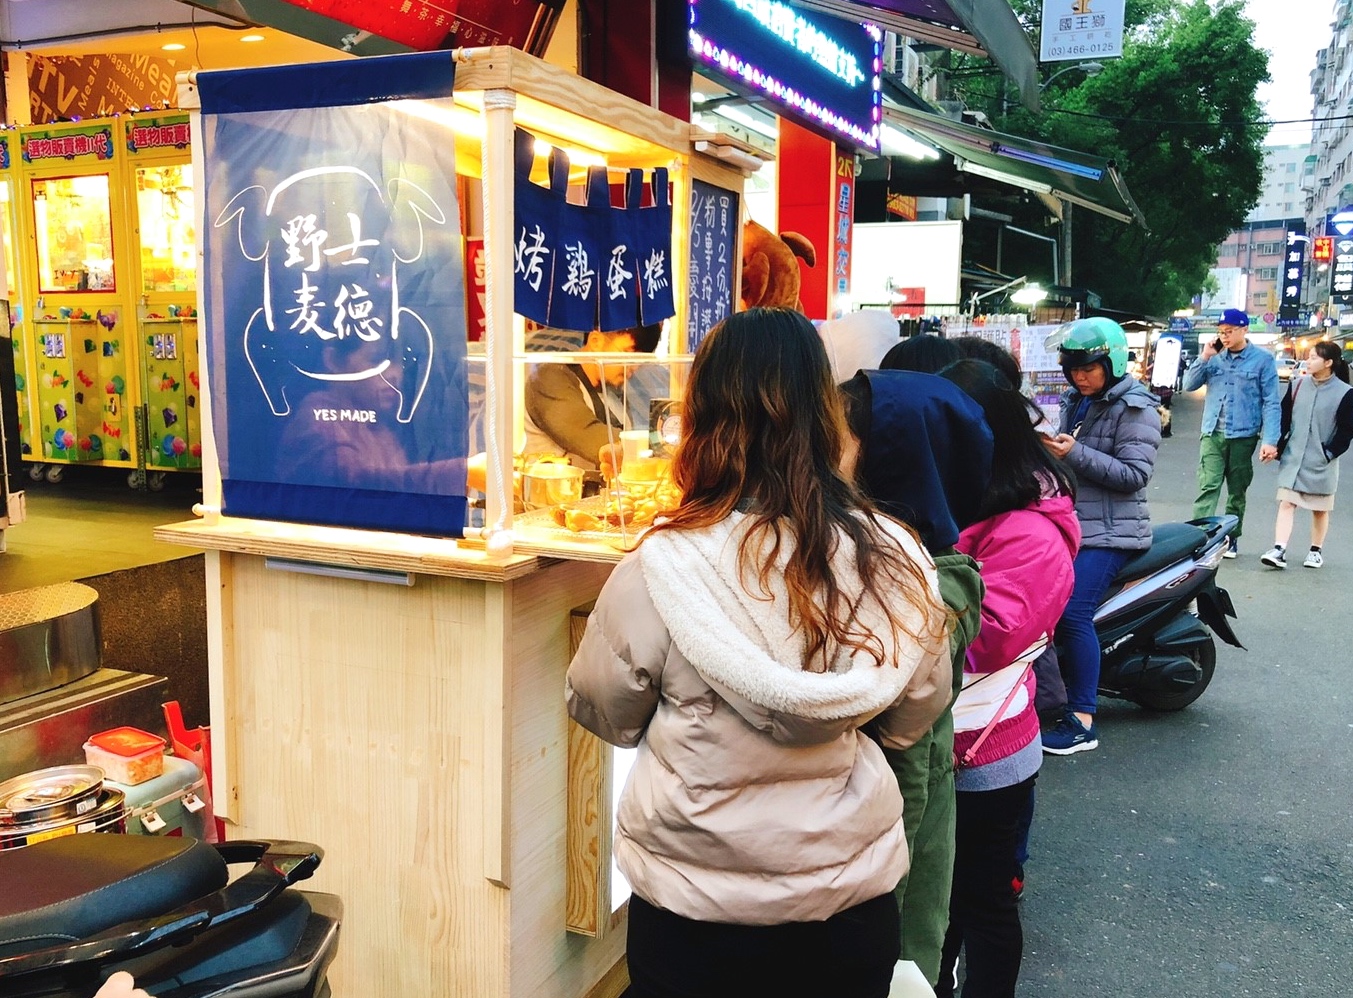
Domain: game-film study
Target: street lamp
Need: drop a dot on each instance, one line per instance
(1089, 68)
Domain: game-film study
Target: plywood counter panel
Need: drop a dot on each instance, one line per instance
(418, 734)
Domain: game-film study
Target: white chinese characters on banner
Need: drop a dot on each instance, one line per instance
(1081, 29)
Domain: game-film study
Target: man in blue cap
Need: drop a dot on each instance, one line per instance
(1242, 411)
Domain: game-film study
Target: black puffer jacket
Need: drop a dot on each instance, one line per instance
(1113, 459)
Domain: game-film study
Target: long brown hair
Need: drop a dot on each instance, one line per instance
(762, 421)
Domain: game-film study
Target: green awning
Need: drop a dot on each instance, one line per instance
(1077, 177)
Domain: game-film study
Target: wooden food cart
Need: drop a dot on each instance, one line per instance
(397, 698)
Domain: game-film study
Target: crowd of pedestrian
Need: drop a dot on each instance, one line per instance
(825, 655)
(829, 655)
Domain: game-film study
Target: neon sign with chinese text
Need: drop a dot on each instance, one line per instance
(820, 69)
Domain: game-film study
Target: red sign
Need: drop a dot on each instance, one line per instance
(72, 145)
(429, 24)
(1323, 249)
(843, 217)
(157, 135)
(476, 289)
(908, 302)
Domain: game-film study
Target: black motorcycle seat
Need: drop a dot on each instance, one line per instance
(70, 888)
(1170, 542)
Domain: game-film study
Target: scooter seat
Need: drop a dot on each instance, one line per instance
(74, 887)
(1170, 542)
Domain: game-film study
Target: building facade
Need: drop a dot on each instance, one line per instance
(1327, 175)
(1249, 268)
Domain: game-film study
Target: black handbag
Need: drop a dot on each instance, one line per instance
(1290, 401)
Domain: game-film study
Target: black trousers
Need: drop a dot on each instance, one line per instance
(850, 955)
(983, 912)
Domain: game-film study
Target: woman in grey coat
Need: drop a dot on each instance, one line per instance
(1317, 425)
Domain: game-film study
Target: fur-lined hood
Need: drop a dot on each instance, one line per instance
(743, 645)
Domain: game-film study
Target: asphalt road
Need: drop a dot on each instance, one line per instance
(1210, 851)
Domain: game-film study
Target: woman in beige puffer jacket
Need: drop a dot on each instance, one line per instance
(741, 648)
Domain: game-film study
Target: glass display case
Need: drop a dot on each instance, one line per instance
(594, 439)
(166, 211)
(73, 226)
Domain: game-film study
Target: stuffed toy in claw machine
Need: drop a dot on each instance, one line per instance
(770, 267)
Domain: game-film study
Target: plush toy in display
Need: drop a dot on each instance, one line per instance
(770, 267)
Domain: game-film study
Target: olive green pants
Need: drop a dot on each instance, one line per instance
(925, 774)
(1222, 460)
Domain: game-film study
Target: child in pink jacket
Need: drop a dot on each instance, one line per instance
(1025, 545)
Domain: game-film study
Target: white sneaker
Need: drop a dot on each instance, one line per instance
(1276, 557)
(1314, 560)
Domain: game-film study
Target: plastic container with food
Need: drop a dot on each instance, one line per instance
(126, 755)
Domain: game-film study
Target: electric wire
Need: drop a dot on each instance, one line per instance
(1198, 123)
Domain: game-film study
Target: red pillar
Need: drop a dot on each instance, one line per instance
(806, 173)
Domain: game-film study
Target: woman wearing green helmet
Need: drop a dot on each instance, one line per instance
(1109, 435)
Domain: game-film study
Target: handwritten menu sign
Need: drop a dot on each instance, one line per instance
(714, 225)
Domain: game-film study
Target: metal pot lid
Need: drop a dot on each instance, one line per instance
(48, 794)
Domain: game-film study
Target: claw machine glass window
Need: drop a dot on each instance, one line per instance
(17, 342)
(7, 236)
(73, 223)
(164, 197)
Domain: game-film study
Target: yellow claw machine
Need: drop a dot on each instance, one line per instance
(75, 296)
(160, 171)
(107, 339)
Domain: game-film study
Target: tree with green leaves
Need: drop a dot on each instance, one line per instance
(1178, 116)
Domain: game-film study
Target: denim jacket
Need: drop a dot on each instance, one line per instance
(1248, 382)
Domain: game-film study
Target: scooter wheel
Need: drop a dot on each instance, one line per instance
(1206, 658)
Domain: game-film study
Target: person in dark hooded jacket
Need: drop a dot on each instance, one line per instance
(923, 456)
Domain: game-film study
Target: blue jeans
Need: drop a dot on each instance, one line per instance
(1076, 637)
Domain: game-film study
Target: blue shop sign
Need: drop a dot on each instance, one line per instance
(816, 68)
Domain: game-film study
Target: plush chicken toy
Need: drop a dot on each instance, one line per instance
(770, 267)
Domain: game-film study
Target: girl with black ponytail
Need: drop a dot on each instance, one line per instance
(1317, 427)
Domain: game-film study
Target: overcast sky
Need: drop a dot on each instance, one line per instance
(1293, 31)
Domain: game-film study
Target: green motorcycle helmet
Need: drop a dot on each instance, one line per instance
(1084, 341)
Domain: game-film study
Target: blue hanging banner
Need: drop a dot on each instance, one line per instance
(335, 300)
(651, 230)
(620, 285)
(590, 266)
(536, 215)
(585, 232)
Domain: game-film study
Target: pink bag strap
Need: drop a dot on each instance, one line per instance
(999, 716)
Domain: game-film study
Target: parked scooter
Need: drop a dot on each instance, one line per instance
(1155, 650)
(74, 910)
